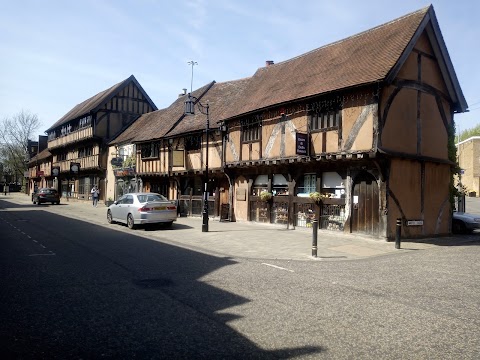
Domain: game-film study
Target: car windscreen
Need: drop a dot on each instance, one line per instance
(151, 197)
(49, 191)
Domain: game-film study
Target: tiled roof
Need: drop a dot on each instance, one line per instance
(156, 124)
(44, 154)
(220, 98)
(364, 58)
(94, 102)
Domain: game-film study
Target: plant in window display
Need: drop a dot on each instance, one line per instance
(318, 197)
(266, 196)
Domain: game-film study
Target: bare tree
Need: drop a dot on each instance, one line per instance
(15, 132)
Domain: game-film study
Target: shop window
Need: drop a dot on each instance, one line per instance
(307, 185)
(333, 184)
(280, 185)
(260, 184)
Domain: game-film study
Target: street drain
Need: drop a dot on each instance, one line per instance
(153, 283)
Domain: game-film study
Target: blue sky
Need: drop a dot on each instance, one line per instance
(55, 54)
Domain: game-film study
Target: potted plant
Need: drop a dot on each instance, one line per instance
(318, 197)
(266, 196)
(109, 202)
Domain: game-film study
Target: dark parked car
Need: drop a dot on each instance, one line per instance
(46, 195)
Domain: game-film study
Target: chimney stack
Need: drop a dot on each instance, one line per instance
(269, 62)
(183, 93)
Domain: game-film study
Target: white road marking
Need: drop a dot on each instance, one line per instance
(43, 246)
(35, 241)
(277, 267)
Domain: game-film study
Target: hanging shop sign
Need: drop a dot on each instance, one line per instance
(74, 168)
(55, 170)
(117, 161)
(124, 172)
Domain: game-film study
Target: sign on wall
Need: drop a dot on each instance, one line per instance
(302, 144)
(178, 158)
(241, 194)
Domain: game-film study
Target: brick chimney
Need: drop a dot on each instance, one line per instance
(269, 62)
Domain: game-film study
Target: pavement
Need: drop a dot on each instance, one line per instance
(248, 239)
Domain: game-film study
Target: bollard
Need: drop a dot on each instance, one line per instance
(314, 238)
(398, 233)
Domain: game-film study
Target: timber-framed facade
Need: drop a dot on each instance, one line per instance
(355, 134)
(78, 141)
(370, 137)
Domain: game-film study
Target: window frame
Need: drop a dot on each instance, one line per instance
(251, 130)
(325, 119)
(153, 153)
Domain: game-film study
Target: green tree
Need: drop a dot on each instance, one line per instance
(464, 135)
(15, 131)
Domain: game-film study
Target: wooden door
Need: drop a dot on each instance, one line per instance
(365, 203)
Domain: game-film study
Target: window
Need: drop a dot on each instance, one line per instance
(308, 185)
(260, 184)
(149, 150)
(251, 129)
(325, 119)
(333, 184)
(85, 151)
(280, 185)
(193, 142)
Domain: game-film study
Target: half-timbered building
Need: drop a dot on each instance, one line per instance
(78, 141)
(365, 124)
(357, 134)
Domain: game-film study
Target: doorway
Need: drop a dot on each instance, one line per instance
(365, 203)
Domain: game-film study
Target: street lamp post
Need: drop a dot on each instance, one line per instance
(204, 109)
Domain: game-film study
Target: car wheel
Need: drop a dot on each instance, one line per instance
(458, 227)
(38, 202)
(130, 222)
(109, 217)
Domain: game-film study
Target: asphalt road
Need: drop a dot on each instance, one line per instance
(70, 289)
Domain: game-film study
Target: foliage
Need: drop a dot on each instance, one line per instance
(455, 169)
(15, 132)
(317, 197)
(129, 162)
(265, 196)
(464, 135)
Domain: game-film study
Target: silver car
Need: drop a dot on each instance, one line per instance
(142, 208)
(464, 222)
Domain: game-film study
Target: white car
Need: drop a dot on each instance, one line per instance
(142, 208)
(464, 222)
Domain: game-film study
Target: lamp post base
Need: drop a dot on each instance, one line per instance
(205, 221)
